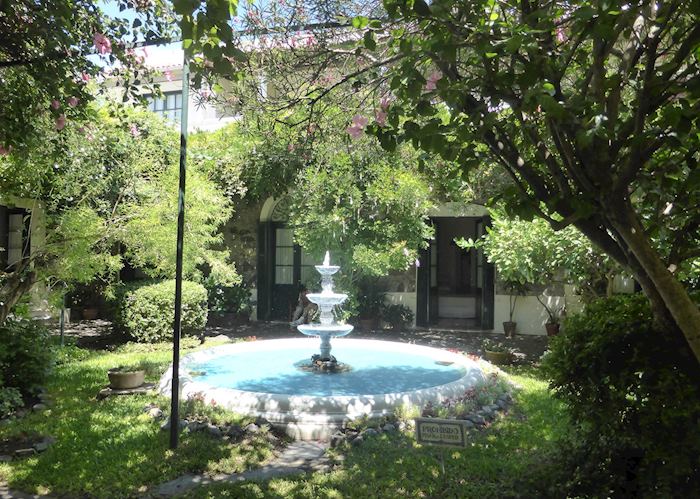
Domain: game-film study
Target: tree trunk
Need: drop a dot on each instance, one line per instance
(662, 287)
(16, 285)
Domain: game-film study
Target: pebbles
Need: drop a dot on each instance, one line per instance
(233, 432)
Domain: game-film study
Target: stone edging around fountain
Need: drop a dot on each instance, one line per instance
(312, 417)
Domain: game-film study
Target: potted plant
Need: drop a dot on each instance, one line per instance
(228, 305)
(497, 353)
(515, 289)
(398, 316)
(554, 314)
(370, 301)
(126, 377)
(86, 299)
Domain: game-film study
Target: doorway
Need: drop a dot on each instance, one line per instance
(455, 287)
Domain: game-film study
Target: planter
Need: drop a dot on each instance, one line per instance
(498, 357)
(125, 380)
(552, 329)
(89, 314)
(224, 319)
(369, 324)
(509, 328)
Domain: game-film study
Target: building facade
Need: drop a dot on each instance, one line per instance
(449, 288)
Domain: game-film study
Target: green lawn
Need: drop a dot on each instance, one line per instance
(496, 463)
(110, 448)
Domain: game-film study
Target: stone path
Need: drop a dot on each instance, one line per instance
(6, 493)
(529, 348)
(297, 458)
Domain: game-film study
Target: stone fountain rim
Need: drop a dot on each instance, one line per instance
(311, 417)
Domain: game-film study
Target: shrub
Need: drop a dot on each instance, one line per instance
(26, 356)
(399, 316)
(634, 401)
(229, 299)
(10, 399)
(145, 310)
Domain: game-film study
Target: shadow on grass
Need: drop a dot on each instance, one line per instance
(491, 465)
(111, 448)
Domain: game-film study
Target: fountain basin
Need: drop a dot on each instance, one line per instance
(384, 375)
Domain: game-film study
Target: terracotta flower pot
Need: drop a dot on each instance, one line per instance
(498, 357)
(552, 329)
(369, 324)
(509, 328)
(124, 380)
(89, 314)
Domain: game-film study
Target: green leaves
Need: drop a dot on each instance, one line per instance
(369, 41)
(360, 22)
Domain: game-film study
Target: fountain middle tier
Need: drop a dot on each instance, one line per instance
(327, 298)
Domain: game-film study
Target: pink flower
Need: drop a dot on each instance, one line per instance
(358, 126)
(431, 83)
(384, 103)
(134, 130)
(205, 93)
(60, 122)
(73, 101)
(102, 43)
(85, 78)
(561, 35)
(81, 129)
(168, 75)
(380, 118)
(55, 104)
(4, 151)
(310, 40)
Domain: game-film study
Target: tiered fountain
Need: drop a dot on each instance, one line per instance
(328, 328)
(263, 378)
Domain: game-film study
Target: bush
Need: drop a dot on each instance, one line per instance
(145, 311)
(229, 299)
(25, 354)
(399, 316)
(634, 401)
(10, 399)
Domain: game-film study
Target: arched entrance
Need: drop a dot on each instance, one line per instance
(282, 265)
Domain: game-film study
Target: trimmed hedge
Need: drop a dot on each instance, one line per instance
(634, 400)
(145, 310)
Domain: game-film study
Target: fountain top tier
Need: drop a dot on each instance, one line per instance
(327, 296)
(326, 300)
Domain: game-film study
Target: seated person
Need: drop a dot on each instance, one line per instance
(305, 310)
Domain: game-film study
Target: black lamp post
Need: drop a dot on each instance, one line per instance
(175, 392)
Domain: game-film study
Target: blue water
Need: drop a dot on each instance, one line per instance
(373, 372)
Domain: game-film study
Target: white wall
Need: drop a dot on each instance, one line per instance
(529, 314)
(406, 299)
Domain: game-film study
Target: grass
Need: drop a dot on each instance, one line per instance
(495, 463)
(110, 447)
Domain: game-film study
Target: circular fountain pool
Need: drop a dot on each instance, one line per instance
(263, 378)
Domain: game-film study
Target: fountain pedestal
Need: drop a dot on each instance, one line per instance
(326, 300)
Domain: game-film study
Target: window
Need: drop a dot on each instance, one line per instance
(284, 256)
(169, 105)
(14, 236)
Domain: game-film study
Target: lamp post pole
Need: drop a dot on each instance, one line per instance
(175, 391)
